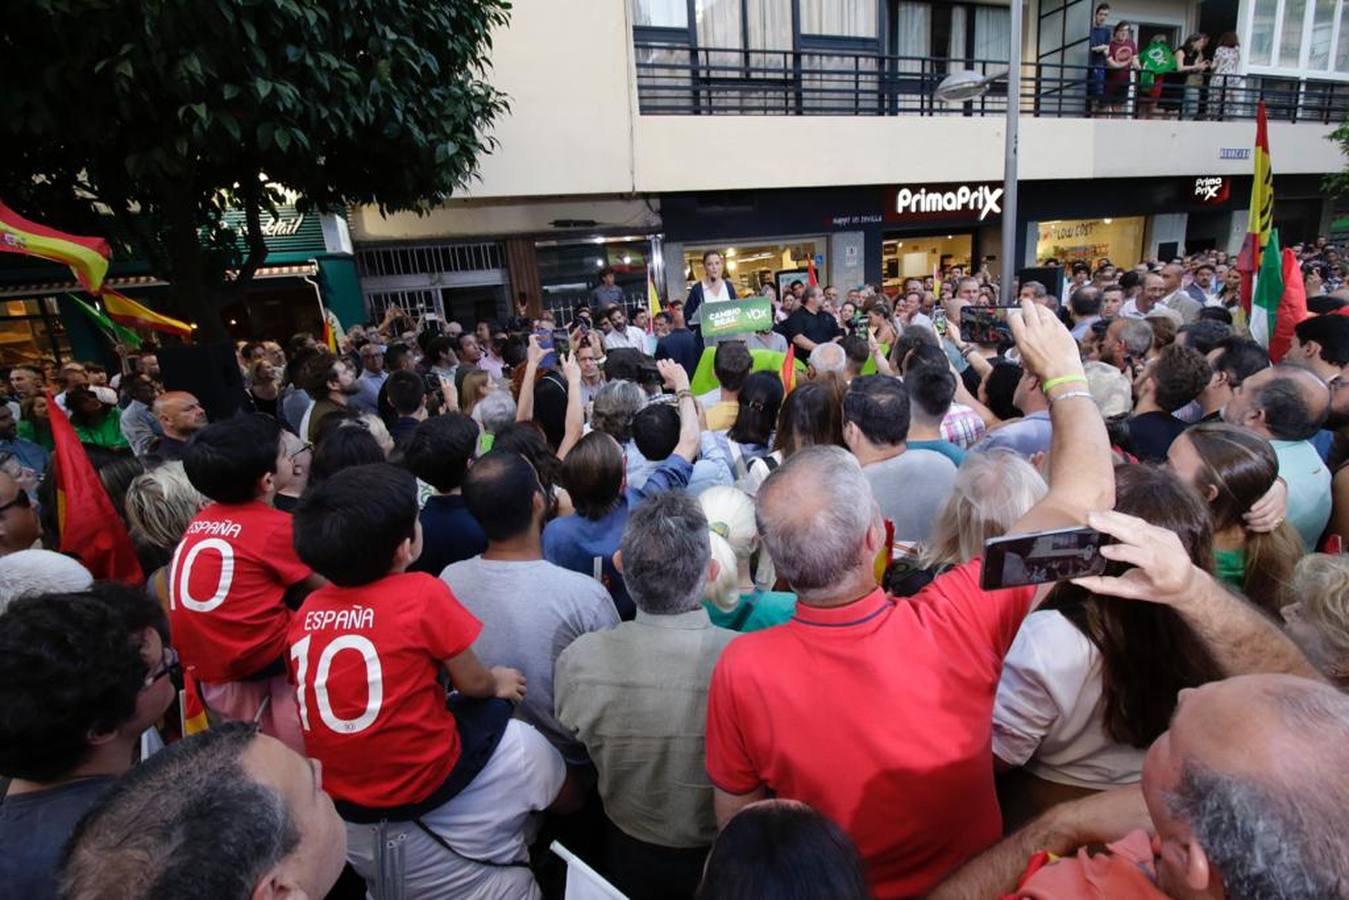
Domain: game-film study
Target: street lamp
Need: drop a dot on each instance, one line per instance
(963, 85)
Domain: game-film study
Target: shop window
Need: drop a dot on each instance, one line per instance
(750, 267)
(919, 256)
(30, 329)
(1090, 240)
(569, 272)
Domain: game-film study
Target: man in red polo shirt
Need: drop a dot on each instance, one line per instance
(878, 712)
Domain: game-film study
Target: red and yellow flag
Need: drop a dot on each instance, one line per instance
(86, 256)
(125, 311)
(1261, 219)
(788, 372)
(90, 527)
(190, 707)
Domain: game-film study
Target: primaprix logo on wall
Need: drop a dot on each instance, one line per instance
(950, 202)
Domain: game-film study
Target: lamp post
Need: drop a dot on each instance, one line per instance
(963, 85)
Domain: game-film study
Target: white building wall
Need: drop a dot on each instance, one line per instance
(573, 132)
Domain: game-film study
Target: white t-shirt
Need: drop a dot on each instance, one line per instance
(719, 295)
(494, 818)
(1049, 710)
(632, 336)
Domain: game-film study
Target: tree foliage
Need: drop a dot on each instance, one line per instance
(1338, 184)
(165, 113)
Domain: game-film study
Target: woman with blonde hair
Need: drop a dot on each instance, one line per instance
(739, 598)
(992, 490)
(160, 504)
(1317, 614)
(476, 386)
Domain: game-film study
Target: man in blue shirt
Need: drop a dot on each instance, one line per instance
(594, 473)
(27, 453)
(681, 345)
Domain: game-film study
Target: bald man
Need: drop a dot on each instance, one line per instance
(180, 415)
(1176, 297)
(1287, 405)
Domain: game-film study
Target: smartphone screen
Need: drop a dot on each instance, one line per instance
(1042, 557)
(545, 338)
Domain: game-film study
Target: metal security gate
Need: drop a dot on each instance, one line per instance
(453, 281)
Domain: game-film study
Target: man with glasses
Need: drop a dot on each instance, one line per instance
(592, 379)
(82, 675)
(19, 527)
(292, 471)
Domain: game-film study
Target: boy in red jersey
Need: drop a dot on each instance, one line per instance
(230, 575)
(456, 786)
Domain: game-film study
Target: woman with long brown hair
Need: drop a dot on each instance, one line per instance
(1090, 682)
(1232, 468)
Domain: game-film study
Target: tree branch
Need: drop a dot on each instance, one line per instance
(251, 192)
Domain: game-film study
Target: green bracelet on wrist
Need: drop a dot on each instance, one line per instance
(1063, 379)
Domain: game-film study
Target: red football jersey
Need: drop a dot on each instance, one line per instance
(365, 661)
(226, 584)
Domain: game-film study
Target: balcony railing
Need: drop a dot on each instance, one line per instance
(675, 79)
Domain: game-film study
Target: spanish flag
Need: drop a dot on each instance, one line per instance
(788, 373)
(86, 256)
(90, 527)
(124, 310)
(190, 707)
(1261, 220)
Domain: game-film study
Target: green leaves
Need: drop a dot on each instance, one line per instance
(168, 104)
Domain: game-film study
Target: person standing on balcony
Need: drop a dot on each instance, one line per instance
(1100, 50)
(1227, 84)
(1189, 74)
(1120, 61)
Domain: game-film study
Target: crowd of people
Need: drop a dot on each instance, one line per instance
(714, 621)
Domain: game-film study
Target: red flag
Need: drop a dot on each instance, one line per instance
(811, 278)
(1292, 306)
(91, 529)
(788, 372)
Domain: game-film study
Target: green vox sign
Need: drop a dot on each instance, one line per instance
(736, 316)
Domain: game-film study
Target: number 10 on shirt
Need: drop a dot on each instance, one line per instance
(374, 679)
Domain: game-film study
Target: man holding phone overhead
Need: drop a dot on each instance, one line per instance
(825, 709)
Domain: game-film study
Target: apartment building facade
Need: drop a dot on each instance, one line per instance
(785, 132)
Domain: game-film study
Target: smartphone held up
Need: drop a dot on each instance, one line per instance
(1042, 557)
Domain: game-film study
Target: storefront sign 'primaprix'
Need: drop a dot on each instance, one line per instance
(950, 202)
(1212, 189)
(736, 316)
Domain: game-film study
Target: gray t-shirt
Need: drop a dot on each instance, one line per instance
(911, 489)
(530, 612)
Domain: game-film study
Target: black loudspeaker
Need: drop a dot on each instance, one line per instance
(208, 371)
(1050, 276)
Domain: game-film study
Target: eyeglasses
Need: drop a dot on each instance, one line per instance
(171, 664)
(20, 500)
(305, 449)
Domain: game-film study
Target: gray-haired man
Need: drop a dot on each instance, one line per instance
(636, 696)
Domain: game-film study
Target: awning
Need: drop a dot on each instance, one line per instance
(134, 282)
